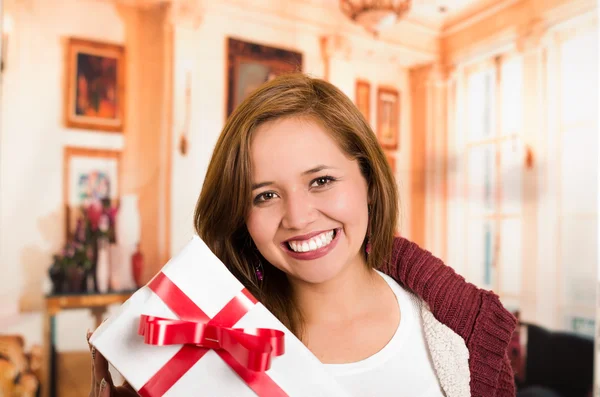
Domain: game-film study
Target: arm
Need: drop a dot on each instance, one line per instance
(474, 314)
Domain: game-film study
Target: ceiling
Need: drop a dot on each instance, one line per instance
(438, 12)
(432, 14)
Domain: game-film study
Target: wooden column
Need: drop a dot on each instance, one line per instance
(146, 158)
(428, 158)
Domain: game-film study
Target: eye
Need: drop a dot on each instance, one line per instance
(322, 181)
(264, 197)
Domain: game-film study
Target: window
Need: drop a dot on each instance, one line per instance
(494, 177)
(576, 169)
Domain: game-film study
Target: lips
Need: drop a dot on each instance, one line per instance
(313, 245)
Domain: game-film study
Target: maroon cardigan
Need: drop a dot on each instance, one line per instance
(474, 314)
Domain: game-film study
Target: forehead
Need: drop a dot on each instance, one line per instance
(293, 145)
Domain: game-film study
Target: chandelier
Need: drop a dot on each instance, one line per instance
(375, 15)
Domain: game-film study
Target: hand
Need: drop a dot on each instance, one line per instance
(102, 383)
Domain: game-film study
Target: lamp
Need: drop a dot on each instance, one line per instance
(375, 15)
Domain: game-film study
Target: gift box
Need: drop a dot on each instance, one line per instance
(194, 330)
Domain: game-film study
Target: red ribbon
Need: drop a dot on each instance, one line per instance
(247, 351)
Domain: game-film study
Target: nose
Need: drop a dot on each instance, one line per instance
(299, 212)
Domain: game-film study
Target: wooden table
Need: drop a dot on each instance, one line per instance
(97, 303)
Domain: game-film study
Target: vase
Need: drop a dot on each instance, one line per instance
(128, 233)
(75, 279)
(57, 276)
(137, 267)
(103, 266)
(128, 221)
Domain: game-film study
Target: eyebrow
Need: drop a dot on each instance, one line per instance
(313, 170)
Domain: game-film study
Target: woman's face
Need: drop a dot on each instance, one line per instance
(308, 214)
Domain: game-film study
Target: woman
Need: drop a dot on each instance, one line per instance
(301, 205)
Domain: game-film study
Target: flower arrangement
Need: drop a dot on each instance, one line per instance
(73, 268)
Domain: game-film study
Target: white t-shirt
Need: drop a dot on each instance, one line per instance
(402, 368)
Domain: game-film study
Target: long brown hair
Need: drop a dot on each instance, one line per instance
(225, 199)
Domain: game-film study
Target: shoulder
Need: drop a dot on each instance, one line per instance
(474, 314)
(432, 280)
(452, 300)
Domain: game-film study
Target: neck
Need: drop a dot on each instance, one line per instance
(339, 299)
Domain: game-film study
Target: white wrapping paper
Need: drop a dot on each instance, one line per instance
(208, 283)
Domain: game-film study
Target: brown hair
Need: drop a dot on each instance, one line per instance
(225, 199)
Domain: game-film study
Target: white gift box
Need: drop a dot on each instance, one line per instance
(200, 275)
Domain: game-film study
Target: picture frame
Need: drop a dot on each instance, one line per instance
(363, 98)
(94, 97)
(388, 117)
(88, 174)
(249, 65)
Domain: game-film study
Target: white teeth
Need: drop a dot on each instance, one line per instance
(313, 244)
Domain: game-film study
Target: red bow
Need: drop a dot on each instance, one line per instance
(246, 351)
(252, 348)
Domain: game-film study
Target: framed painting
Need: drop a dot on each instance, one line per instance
(388, 117)
(89, 174)
(95, 85)
(250, 64)
(363, 98)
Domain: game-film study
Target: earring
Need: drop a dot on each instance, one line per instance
(368, 246)
(258, 270)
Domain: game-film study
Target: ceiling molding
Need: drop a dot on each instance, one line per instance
(568, 13)
(329, 22)
(348, 48)
(474, 14)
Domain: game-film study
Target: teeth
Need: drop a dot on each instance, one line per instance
(314, 243)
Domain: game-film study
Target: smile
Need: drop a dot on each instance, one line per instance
(312, 244)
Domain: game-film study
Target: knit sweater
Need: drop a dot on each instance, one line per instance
(474, 314)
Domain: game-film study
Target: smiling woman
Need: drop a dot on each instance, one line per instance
(301, 205)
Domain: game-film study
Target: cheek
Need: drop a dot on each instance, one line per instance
(261, 225)
(348, 206)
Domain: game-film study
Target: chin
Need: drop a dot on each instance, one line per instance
(318, 272)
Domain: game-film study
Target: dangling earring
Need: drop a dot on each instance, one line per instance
(258, 270)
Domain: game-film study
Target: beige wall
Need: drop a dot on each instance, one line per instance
(31, 151)
(201, 52)
(33, 138)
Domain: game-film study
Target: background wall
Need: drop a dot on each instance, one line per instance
(33, 137)
(202, 53)
(31, 154)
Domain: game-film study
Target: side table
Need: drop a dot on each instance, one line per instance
(97, 303)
